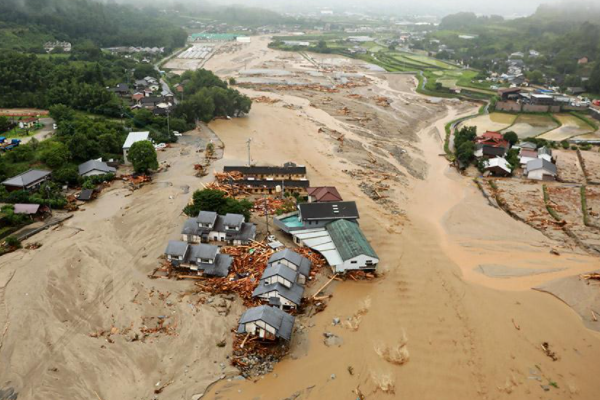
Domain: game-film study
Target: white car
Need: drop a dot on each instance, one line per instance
(177, 133)
(160, 146)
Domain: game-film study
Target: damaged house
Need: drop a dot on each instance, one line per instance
(293, 261)
(204, 259)
(267, 323)
(209, 226)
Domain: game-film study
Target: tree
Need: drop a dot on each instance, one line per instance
(4, 124)
(216, 201)
(593, 84)
(511, 137)
(232, 81)
(536, 77)
(67, 174)
(466, 153)
(464, 134)
(61, 113)
(144, 70)
(13, 242)
(143, 156)
(54, 154)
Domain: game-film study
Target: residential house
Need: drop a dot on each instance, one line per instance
(279, 273)
(494, 139)
(150, 102)
(541, 99)
(28, 123)
(509, 93)
(353, 247)
(316, 215)
(526, 155)
(122, 89)
(497, 166)
(541, 170)
(95, 167)
(489, 151)
(583, 60)
(279, 295)
(323, 194)
(132, 138)
(141, 84)
(137, 96)
(267, 323)
(545, 153)
(289, 171)
(204, 259)
(29, 180)
(527, 146)
(293, 261)
(209, 226)
(32, 210)
(576, 91)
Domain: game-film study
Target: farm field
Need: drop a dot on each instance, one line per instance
(491, 122)
(530, 125)
(569, 169)
(571, 126)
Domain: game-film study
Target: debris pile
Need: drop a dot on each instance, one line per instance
(591, 276)
(382, 101)
(265, 99)
(272, 206)
(254, 357)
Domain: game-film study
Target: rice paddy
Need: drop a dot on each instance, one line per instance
(571, 126)
(530, 125)
(492, 122)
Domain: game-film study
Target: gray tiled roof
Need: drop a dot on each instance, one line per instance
(190, 227)
(176, 248)
(293, 294)
(278, 319)
(277, 269)
(26, 178)
(92, 165)
(204, 251)
(220, 268)
(233, 220)
(331, 210)
(207, 217)
(540, 163)
(301, 262)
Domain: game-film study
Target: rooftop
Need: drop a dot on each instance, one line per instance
(330, 210)
(135, 137)
(92, 165)
(349, 239)
(26, 178)
(278, 319)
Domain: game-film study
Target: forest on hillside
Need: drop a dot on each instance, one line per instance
(26, 24)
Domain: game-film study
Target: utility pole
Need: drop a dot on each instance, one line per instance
(168, 122)
(248, 142)
(267, 214)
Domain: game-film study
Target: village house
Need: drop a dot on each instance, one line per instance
(583, 60)
(488, 151)
(526, 155)
(209, 226)
(122, 90)
(540, 169)
(292, 260)
(268, 323)
(28, 123)
(509, 93)
(289, 171)
(545, 153)
(323, 194)
(95, 167)
(29, 180)
(132, 138)
(280, 296)
(32, 210)
(494, 139)
(316, 215)
(279, 273)
(204, 259)
(497, 166)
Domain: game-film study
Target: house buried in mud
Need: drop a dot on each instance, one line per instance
(267, 323)
(260, 180)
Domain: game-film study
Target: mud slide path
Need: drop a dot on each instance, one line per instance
(421, 331)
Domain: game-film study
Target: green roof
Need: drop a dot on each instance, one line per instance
(349, 239)
(213, 36)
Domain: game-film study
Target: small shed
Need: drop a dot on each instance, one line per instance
(26, 209)
(132, 138)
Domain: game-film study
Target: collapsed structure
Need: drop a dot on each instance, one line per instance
(267, 323)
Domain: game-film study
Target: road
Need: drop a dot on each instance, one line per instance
(46, 132)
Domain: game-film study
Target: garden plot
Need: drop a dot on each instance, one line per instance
(591, 166)
(566, 200)
(571, 126)
(494, 122)
(526, 200)
(530, 125)
(569, 168)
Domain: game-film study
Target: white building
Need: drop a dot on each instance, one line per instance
(541, 170)
(132, 138)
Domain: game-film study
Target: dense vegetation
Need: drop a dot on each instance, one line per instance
(216, 200)
(207, 97)
(561, 34)
(27, 24)
(143, 156)
(32, 81)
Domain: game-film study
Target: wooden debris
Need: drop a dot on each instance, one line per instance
(546, 349)
(517, 327)
(591, 276)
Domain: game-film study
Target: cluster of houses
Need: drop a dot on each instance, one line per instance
(260, 180)
(134, 50)
(146, 93)
(516, 99)
(537, 163)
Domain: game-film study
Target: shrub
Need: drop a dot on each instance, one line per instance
(13, 242)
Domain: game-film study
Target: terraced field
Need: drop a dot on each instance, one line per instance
(530, 125)
(571, 126)
(492, 122)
